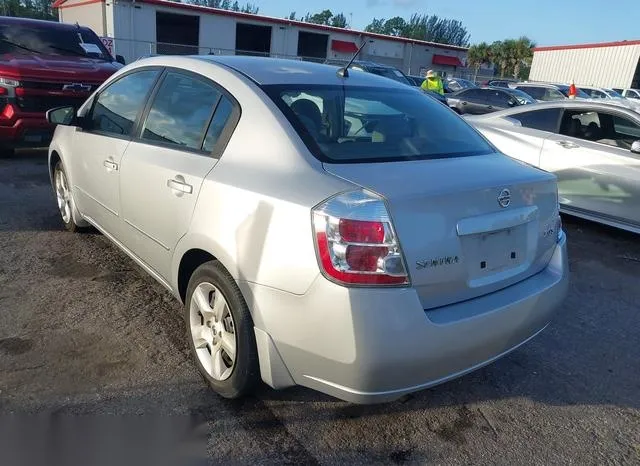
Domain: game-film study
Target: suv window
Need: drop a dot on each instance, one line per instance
(181, 111)
(535, 92)
(41, 38)
(118, 105)
(626, 129)
(544, 120)
(344, 124)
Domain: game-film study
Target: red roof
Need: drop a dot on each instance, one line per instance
(587, 46)
(269, 19)
(446, 60)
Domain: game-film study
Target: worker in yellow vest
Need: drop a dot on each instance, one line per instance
(433, 83)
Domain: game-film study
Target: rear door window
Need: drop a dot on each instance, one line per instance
(345, 124)
(535, 92)
(181, 111)
(544, 120)
(500, 99)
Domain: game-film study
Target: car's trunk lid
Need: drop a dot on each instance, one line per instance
(458, 237)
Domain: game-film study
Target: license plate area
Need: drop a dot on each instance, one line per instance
(493, 253)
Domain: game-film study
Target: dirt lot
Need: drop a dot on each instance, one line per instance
(83, 330)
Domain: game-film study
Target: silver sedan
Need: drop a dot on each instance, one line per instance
(321, 228)
(593, 149)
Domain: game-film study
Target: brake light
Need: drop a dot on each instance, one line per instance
(356, 242)
(3, 91)
(7, 112)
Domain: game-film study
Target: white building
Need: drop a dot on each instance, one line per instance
(135, 28)
(610, 64)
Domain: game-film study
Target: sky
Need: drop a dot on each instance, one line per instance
(547, 22)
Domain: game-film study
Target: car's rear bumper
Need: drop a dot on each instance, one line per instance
(375, 345)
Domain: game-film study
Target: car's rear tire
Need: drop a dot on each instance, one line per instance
(63, 198)
(220, 331)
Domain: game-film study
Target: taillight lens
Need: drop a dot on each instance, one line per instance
(356, 242)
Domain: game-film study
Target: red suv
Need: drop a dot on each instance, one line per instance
(43, 65)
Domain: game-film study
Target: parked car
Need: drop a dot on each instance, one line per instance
(44, 65)
(479, 100)
(384, 266)
(593, 148)
(610, 96)
(457, 84)
(544, 92)
(502, 82)
(379, 69)
(629, 93)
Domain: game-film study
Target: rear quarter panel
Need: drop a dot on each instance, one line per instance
(520, 143)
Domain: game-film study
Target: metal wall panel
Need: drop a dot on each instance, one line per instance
(600, 66)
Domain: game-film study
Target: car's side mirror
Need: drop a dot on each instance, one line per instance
(635, 147)
(62, 116)
(120, 59)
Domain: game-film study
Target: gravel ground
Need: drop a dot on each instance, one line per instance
(84, 331)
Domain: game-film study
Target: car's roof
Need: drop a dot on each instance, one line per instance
(273, 71)
(40, 23)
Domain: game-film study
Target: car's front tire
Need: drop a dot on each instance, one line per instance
(62, 190)
(220, 331)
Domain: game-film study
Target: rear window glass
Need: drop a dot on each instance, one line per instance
(357, 124)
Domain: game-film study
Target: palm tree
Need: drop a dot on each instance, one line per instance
(523, 54)
(478, 55)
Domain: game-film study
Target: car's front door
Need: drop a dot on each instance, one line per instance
(597, 172)
(180, 140)
(100, 145)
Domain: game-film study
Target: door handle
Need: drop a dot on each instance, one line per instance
(567, 144)
(180, 186)
(463, 103)
(490, 107)
(110, 165)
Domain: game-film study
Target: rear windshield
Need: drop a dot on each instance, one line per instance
(357, 124)
(40, 39)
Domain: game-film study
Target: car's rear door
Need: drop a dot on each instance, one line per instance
(474, 101)
(597, 173)
(99, 146)
(183, 133)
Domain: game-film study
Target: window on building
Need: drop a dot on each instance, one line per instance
(252, 39)
(312, 45)
(177, 34)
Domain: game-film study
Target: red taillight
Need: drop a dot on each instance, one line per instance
(360, 231)
(355, 247)
(7, 112)
(3, 91)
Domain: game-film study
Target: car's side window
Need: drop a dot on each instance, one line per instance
(543, 120)
(181, 111)
(582, 125)
(598, 94)
(118, 105)
(500, 99)
(221, 117)
(626, 129)
(475, 95)
(535, 92)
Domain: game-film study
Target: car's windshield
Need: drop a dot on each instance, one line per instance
(522, 97)
(39, 39)
(614, 94)
(356, 124)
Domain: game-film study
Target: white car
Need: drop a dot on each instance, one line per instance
(593, 148)
(611, 96)
(321, 228)
(629, 93)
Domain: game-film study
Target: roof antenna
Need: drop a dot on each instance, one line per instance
(344, 72)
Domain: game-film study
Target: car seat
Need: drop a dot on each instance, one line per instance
(309, 114)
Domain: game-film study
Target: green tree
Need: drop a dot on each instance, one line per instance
(522, 56)
(319, 18)
(339, 21)
(478, 55)
(395, 26)
(376, 26)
